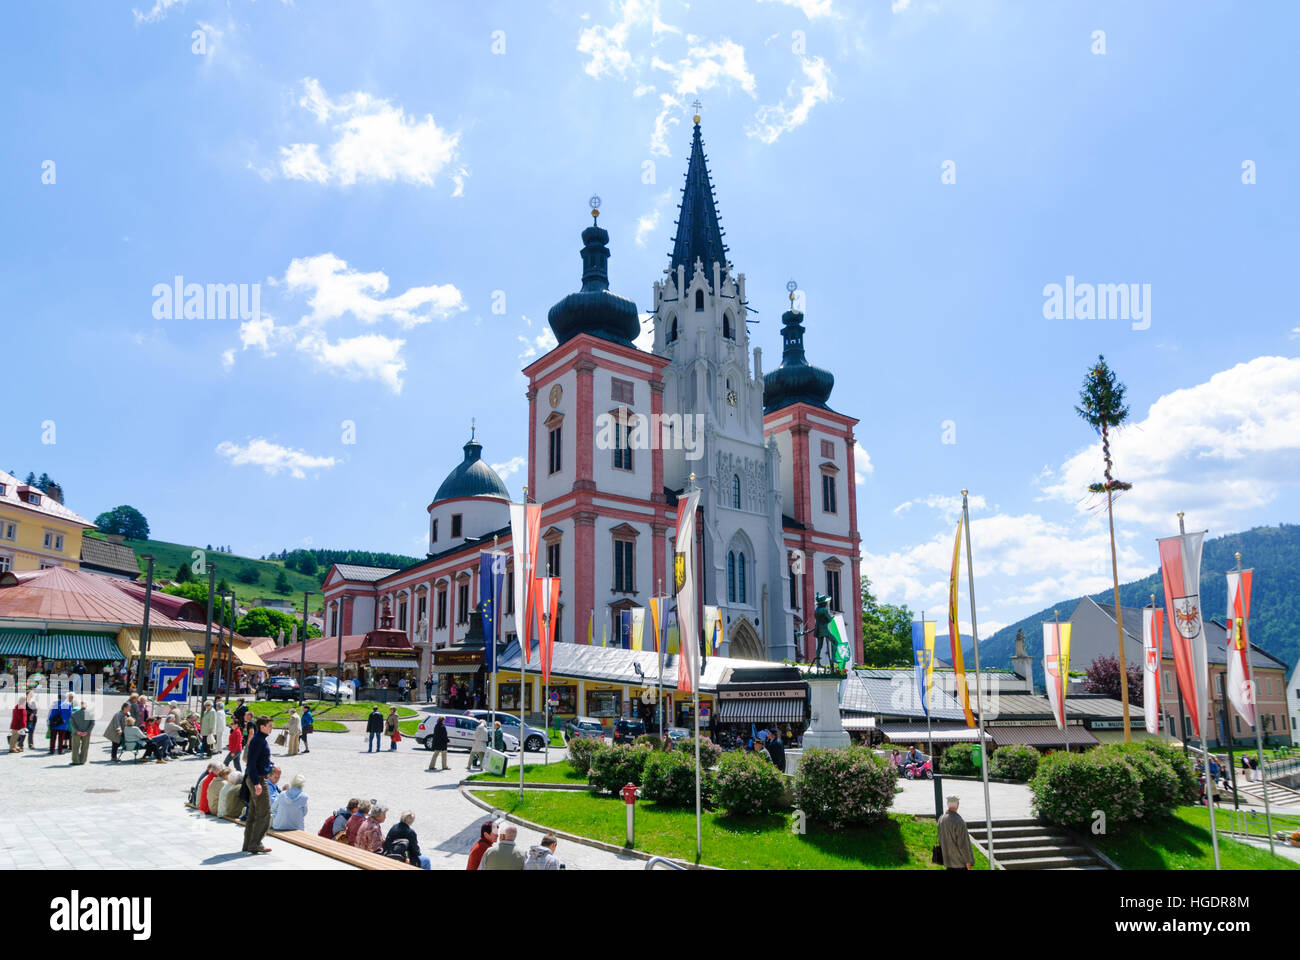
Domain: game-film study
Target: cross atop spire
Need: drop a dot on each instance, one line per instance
(472, 426)
(699, 235)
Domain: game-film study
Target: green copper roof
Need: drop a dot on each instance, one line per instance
(472, 478)
(796, 380)
(593, 309)
(699, 235)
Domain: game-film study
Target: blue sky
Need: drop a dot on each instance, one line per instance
(406, 183)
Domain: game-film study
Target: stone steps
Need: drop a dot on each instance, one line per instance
(1034, 845)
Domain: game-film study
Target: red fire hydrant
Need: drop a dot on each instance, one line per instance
(629, 798)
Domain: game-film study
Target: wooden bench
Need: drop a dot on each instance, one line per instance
(331, 848)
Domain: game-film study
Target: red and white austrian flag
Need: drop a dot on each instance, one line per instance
(1240, 690)
(1180, 571)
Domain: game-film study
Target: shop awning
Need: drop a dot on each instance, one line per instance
(916, 733)
(761, 711)
(246, 656)
(391, 664)
(456, 668)
(858, 724)
(1044, 736)
(163, 644)
(60, 646)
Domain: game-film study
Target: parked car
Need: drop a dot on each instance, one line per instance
(460, 731)
(626, 731)
(587, 727)
(323, 688)
(678, 733)
(280, 688)
(534, 737)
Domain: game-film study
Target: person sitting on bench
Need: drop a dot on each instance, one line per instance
(133, 738)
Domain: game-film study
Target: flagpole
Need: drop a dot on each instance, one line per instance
(1065, 719)
(1160, 661)
(979, 696)
(1259, 717)
(496, 601)
(929, 734)
(660, 642)
(523, 641)
(546, 682)
(1205, 740)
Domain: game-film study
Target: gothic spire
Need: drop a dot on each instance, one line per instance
(699, 235)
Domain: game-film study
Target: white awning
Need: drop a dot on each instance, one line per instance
(394, 664)
(456, 668)
(858, 723)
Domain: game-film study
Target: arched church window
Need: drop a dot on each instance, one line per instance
(672, 331)
(699, 301)
(735, 491)
(740, 578)
(726, 326)
(731, 576)
(435, 531)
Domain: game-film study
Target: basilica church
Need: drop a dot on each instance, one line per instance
(616, 435)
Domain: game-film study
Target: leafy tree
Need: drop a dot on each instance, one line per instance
(886, 632)
(1103, 678)
(247, 575)
(126, 521)
(198, 592)
(183, 574)
(282, 583)
(224, 586)
(265, 622)
(1101, 405)
(307, 564)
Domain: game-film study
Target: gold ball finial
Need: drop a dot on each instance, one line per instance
(1238, 554)
(963, 492)
(697, 118)
(1180, 514)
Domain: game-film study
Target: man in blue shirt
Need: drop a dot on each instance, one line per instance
(259, 769)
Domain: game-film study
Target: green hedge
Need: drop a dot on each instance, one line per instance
(1015, 761)
(845, 786)
(748, 784)
(710, 752)
(957, 761)
(581, 750)
(615, 767)
(669, 779)
(1069, 788)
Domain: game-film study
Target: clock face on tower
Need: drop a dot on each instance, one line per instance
(731, 397)
(556, 394)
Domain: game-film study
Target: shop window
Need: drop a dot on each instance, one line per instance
(564, 699)
(604, 703)
(508, 698)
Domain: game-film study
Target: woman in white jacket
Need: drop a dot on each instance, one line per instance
(289, 809)
(293, 727)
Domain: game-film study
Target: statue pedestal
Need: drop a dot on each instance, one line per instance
(825, 728)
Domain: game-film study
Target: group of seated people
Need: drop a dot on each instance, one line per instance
(218, 793)
(168, 740)
(360, 824)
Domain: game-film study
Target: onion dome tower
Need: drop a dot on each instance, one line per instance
(593, 309)
(472, 477)
(796, 380)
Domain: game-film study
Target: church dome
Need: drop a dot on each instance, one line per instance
(593, 309)
(796, 380)
(472, 478)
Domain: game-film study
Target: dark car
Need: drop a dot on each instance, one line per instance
(626, 731)
(280, 688)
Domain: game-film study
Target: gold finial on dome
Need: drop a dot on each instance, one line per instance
(791, 287)
(595, 206)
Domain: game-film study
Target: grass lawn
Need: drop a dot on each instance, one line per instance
(1183, 843)
(737, 843)
(325, 710)
(557, 738)
(536, 773)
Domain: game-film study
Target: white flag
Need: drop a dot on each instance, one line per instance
(1152, 642)
(688, 663)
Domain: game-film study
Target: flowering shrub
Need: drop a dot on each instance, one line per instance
(748, 784)
(1189, 789)
(1068, 787)
(1015, 761)
(648, 740)
(839, 787)
(669, 779)
(581, 750)
(710, 752)
(957, 761)
(1161, 791)
(614, 767)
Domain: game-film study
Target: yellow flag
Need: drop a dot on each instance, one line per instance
(954, 631)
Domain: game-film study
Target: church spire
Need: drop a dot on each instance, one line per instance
(699, 235)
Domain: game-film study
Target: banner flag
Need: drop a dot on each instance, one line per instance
(1056, 666)
(491, 578)
(1180, 571)
(1153, 622)
(625, 629)
(842, 649)
(712, 621)
(638, 628)
(688, 665)
(672, 634)
(657, 624)
(923, 661)
(1240, 689)
(954, 631)
(591, 625)
(525, 529)
(547, 592)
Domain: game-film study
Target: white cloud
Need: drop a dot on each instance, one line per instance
(272, 457)
(1218, 451)
(376, 141)
(898, 6)
(370, 356)
(708, 64)
(647, 223)
(664, 123)
(227, 359)
(645, 340)
(510, 467)
(775, 119)
(812, 9)
(544, 342)
(158, 12)
(862, 465)
(947, 506)
(335, 289)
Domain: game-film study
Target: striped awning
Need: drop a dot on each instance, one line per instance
(1048, 735)
(60, 646)
(395, 664)
(761, 711)
(163, 644)
(246, 656)
(916, 733)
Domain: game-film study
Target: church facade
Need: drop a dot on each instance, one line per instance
(616, 434)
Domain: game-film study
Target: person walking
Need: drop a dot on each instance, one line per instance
(259, 768)
(293, 729)
(234, 747)
(391, 730)
(504, 856)
(32, 710)
(487, 835)
(776, 750)
(401, 687)
(954, 840)
(219, 709)
(18, 726)
(79, 725)
(374, 729)
(308, 726)
(208, 729)
(542, 856)
(428, 688)
(241, 711)
(116, 724)
(289, 811)
(57, 725)
(371, 835)
(439, 744)
(478, 747)
(498, 738)
(402, 843)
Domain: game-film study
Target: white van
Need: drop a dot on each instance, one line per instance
(460, 731)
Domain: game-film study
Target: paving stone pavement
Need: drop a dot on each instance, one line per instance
(1010, 801)
(54, 816)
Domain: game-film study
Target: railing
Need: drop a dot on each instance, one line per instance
(1282, 768)
(655, 861)
(1253, 823)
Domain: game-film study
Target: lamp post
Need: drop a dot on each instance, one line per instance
(142, 667)
(302, 663)
(207, 636)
